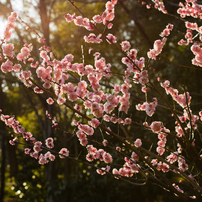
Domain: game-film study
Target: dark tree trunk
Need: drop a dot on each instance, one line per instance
(45, 20)
(3, 148)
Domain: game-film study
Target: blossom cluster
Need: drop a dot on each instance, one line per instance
(106, 17)
(149, 108)
(129, 168)
(158, 46)
(160, 6)
(10, 25)
(104, 106)
(19, 131)
(94, 154)
(190, 8)
(182, 99)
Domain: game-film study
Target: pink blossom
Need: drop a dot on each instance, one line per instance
(98, 18)
(125, 45)
(27, 150)
(106, 118)
(11, 18)
(7, 35)
(78, 21)
(158, 46)
(105, 142)
(90, 157)
(109, 5)
(109, 17)
(144, 89)
(102, 170)
(109, 25)
(124, 107)
(127, 121)
(138, 142)
(83, 142)
(69, 17)
(160, 150)
(25, 52)
(64, 153)
(156, 126)
(49, 142)
(42, 159)
(8, 49)
(134, 156)
(34, 155)
(111, 38)
(134, 167)
(26, 74)
(91, 38)
(37, 146)
(94, 123)
(113, 119)
(162, 143)
(38, 90)
(116, 88)
(183, 166)
(107, 157)
(61, 100)
(99, 154)
(6, 66)
(115, 172)
(51, 157)
(17, 67)
(72, 96)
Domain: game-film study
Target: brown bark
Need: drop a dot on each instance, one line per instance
(45, 20)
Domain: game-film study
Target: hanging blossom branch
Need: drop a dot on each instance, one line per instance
(102, 106)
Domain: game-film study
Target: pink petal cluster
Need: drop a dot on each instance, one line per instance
(128, 169)
(92, 38)
(141, 77)
(8, 49)
(160, 6)
(49, 142)
(160, 166)
(100, 154)
(87, 129)
(194, 9)
(63, 153)
(82, 138)
(43, 159)
(197, 51)
(158, 46)
(25, 52)
(7, 66)
(138, 142)
(182, 99)
(103, 171)
(125, 45)
(166, 31)
(37, 146)
(148, 107)
(10, 25)
(156, 126)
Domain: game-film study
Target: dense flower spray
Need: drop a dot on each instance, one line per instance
(101, 105)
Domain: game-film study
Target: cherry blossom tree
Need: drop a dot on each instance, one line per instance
(175, 152)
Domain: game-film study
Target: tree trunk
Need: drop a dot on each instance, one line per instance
(3, 156)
